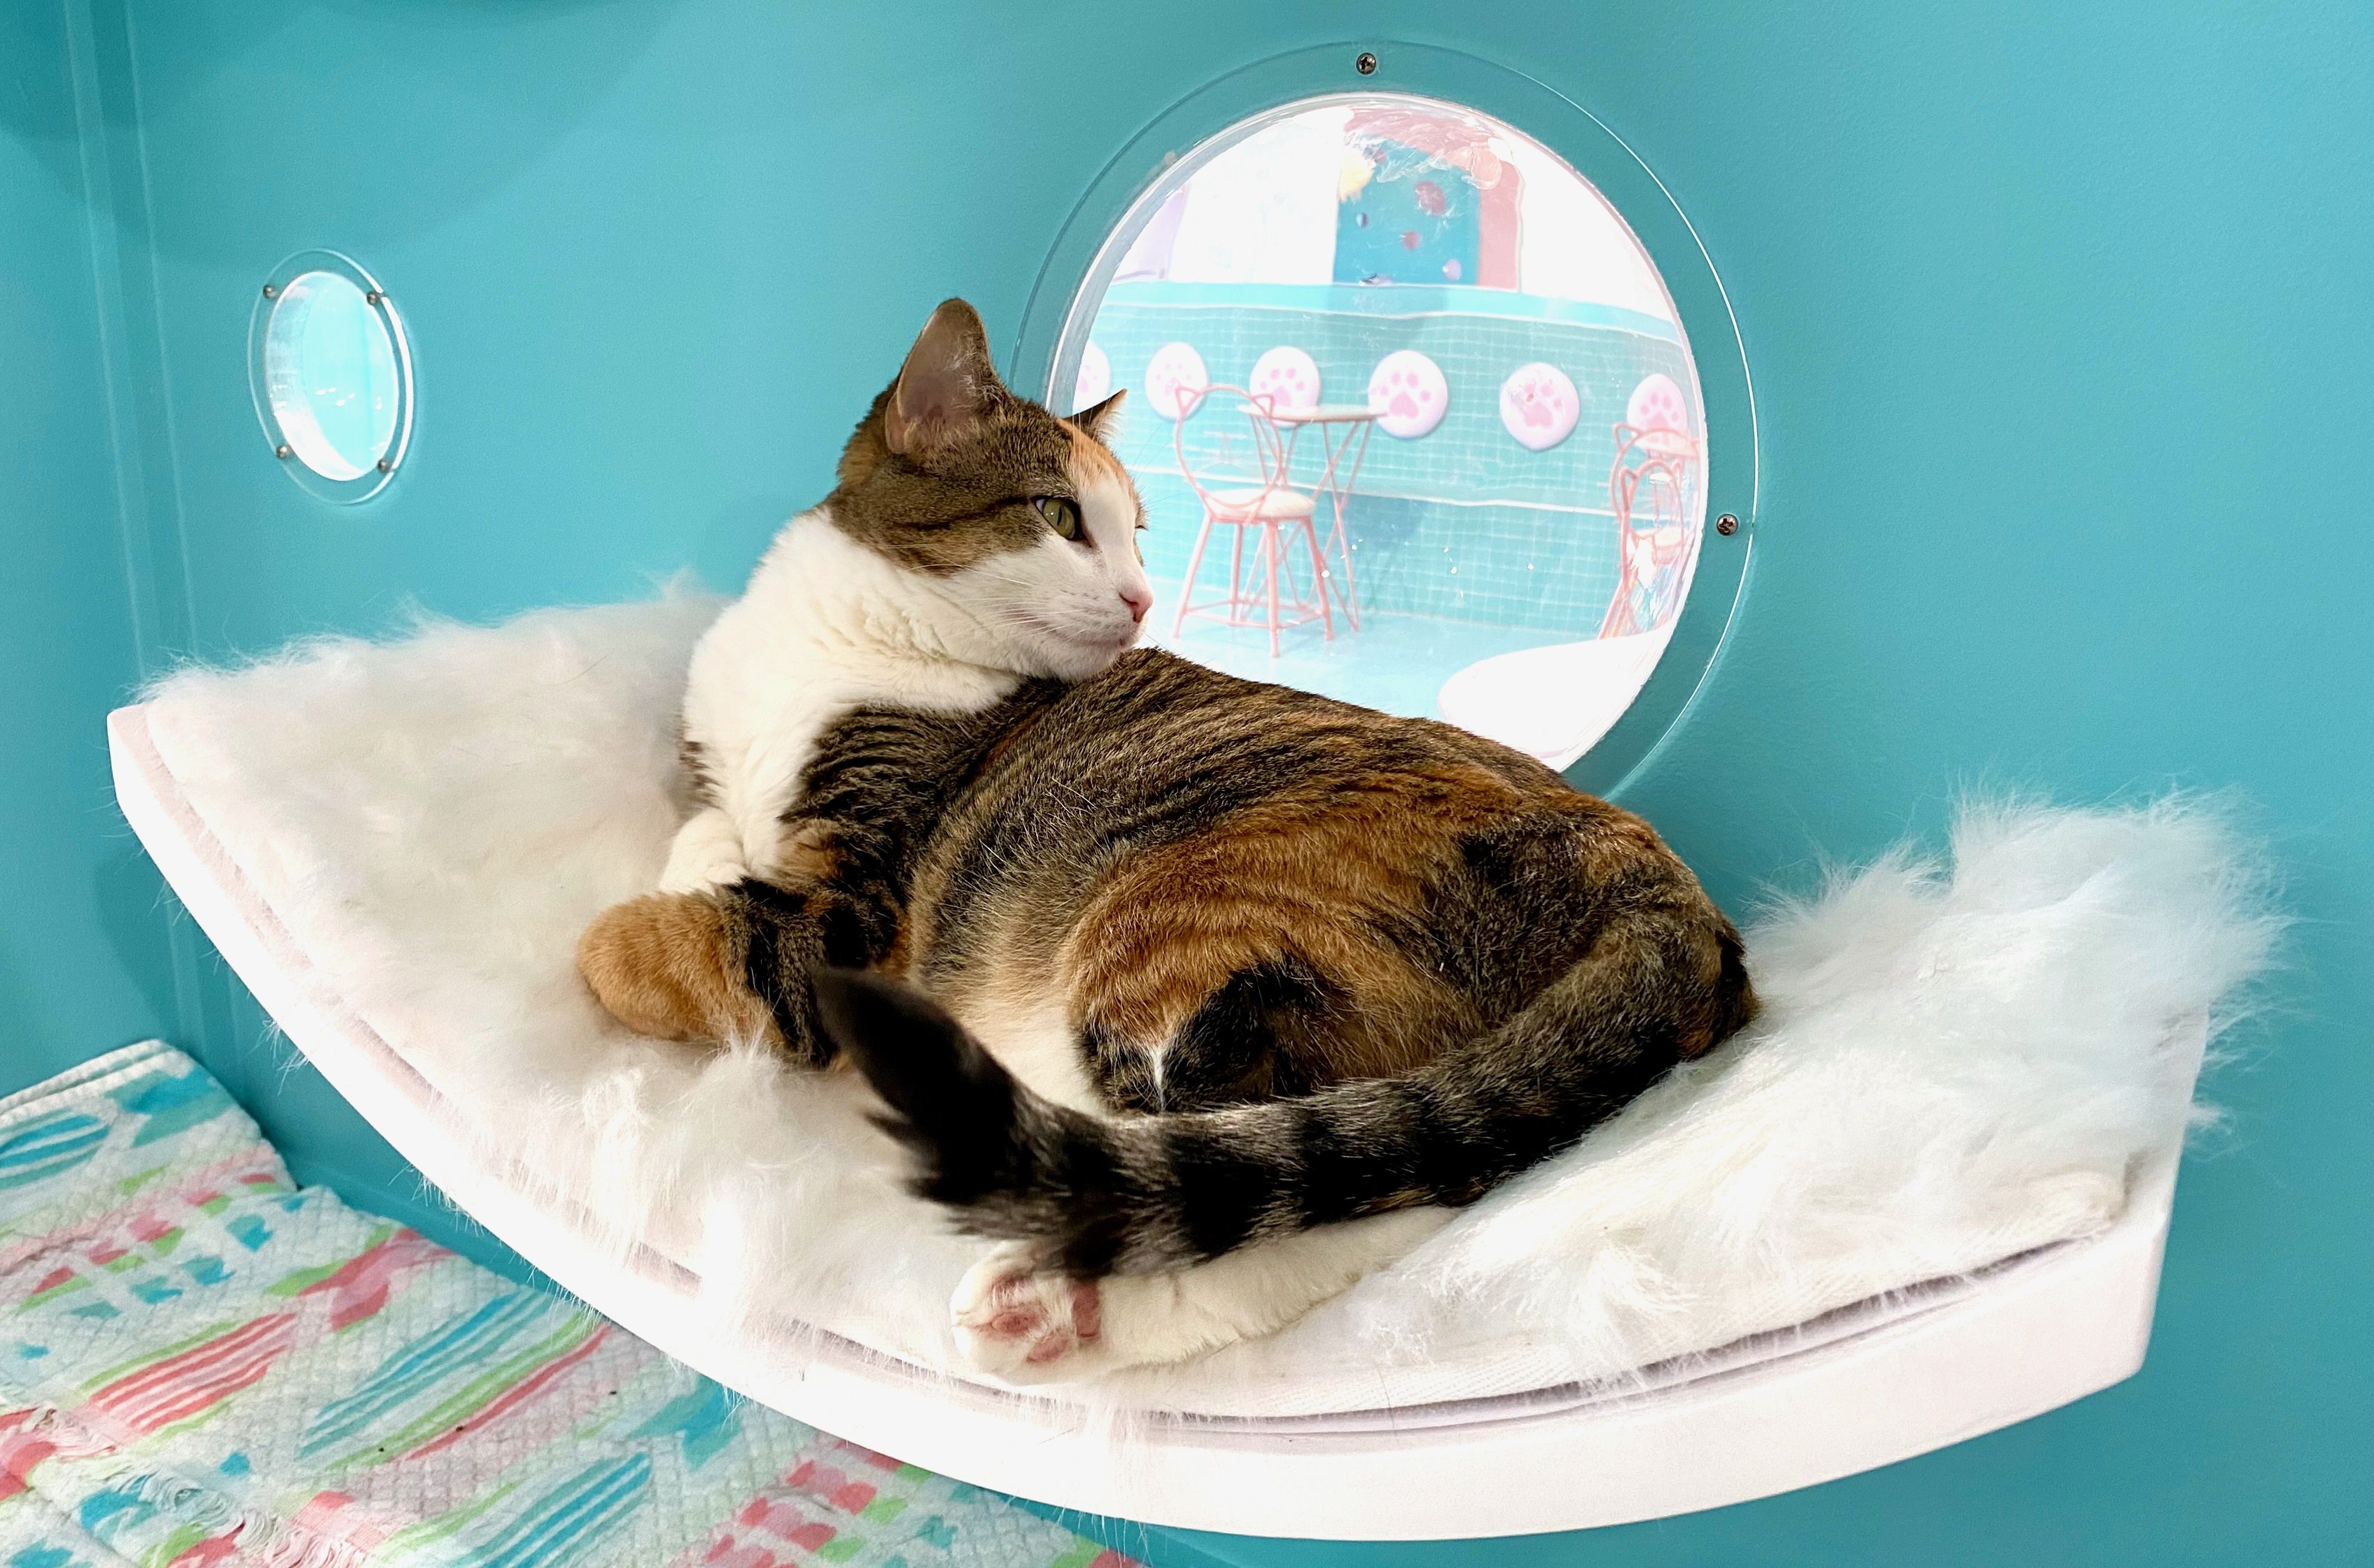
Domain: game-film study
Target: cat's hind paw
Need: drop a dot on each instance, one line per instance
(1025, 1324)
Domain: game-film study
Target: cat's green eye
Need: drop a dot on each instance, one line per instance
(1061, 514)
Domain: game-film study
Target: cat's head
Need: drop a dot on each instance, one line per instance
(1020, 523)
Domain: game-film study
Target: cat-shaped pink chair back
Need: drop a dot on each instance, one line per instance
(1652, 487)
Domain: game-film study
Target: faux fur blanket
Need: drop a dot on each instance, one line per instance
(1963, 1058)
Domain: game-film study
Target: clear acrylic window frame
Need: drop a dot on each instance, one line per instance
(1093, 241)
(281, 442)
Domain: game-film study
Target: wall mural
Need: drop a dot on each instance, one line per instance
(1423, 198)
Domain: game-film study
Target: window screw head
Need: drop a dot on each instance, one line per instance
(270, 291)
(1726, 525)
(385, 466)
(374, 297)
(1366, 63)
(284, 452)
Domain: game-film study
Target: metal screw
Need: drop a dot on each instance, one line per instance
(1366, 64)
(269, 291)
(385, 466)
(1726, 525)
(373, 297)
(284, 452)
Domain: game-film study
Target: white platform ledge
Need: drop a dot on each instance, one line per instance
(1880, 1382)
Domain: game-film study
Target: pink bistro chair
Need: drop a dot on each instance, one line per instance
(1277, 515)
(1652, 487)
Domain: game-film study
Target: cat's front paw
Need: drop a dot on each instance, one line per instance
(707, 852)
(1025, 1324)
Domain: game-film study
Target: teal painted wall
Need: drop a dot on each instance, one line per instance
(84, 964)
(2061, 323)
(94, 952)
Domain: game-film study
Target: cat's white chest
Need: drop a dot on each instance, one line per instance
(756, 717)
(798, 652)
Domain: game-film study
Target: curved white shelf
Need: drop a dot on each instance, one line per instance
(1879, 1382)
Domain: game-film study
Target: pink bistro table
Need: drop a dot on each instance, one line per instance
(1344, 436)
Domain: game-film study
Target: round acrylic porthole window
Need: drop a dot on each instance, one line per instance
(1446, 455)
(332, 375)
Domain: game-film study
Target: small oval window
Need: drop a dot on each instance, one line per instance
(332, 376)
(1416, 423)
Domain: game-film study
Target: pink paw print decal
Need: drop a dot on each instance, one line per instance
(1657, 404)
(1538, 405)
(1288, 377)
(1175, 380)
(1408, 392)
(1095, 383)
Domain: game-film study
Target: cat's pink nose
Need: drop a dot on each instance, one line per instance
(1139, 598)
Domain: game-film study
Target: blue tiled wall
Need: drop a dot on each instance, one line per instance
(1461, 523)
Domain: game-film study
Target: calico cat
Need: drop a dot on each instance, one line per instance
(1202, 995)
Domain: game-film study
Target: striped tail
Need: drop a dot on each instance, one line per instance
(1144, 1194)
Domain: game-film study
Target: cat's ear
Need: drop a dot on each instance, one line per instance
(948, 386)
(1103, 421)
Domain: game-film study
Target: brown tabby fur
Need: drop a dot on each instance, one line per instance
(1336, 962)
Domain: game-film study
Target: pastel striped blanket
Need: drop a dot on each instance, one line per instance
(203, 1364)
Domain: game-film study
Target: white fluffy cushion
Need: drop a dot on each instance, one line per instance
(1955, 1065)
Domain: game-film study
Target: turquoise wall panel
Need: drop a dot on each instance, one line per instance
(2062, 328)
(84, 962)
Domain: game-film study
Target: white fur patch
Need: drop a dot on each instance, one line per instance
(826, 626)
